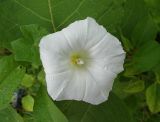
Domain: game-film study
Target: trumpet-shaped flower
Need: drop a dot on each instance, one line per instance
(81, 62)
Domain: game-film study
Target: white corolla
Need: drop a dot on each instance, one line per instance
(81, 62)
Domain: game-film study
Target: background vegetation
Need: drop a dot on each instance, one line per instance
(136, 93)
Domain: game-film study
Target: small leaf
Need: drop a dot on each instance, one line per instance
(153, 97)
(28, 103)
(27, 81)
(118, 88)
(156, 70)
(126, 43)
(157, 77)
(26, 49)
(41, 77)
(22, 50)
(135, 86)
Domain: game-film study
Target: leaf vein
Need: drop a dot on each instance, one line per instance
(106, 11)
(51, 15)
(31, 11)
(75, 11)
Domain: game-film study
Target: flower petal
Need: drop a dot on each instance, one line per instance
(111, 63)
(109, 53)
(95, 33)
(75, 89)
(55, 43)
(94, 94)
(115, 63)
(108, 46)
(92, 82)
(76, 34)
(99, 83)
(103, 77)
(57, 82)
(54, 53)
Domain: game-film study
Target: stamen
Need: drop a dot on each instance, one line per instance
(79, 61)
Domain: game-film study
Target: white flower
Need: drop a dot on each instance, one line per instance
(81, 62)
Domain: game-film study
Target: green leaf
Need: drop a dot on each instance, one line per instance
(41, 76)
(138, 26)
(7, 64)
(9, 85)
(145, 31)
(126, 43)
(156, 70)
(134, 11)
(113, 110)
(135, 86)
(153, 98)
(119, 86)
(26, 49)
(154, 9)
(144, 59)
(52, 14)
(27, 81)
(147, 56)
(10, 115)
(45, 110)
(133, 103)
(28, 103)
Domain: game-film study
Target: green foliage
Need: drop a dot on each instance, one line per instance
(41, 77)
(7, 64)
(10, 115)
(154, 9)
(114, 110)
(136, 91)
(107, 12)
(135, 86)
(27, 81)
(153, 97)
(26, 49)
(144, 59)
(154, 118)
(45, 109)
(28, 103)
(134, 12)
(140, 28)
(9, 85)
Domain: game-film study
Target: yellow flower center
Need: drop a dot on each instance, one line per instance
(79, 59)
